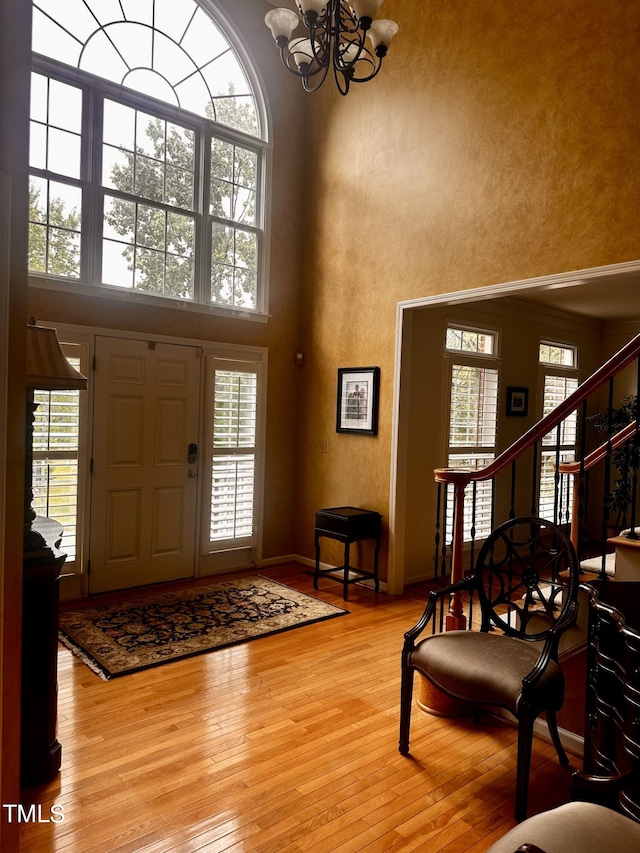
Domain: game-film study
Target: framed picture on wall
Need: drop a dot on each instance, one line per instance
(358, 389)
(517, 401)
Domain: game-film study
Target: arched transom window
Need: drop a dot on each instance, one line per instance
(147, 152)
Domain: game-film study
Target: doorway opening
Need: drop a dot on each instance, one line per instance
(601, 304)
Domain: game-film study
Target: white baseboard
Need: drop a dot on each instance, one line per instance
(265, 562)
(572, 742)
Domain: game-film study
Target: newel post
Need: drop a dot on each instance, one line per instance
(456, 620)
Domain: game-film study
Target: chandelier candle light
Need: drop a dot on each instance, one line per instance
(337, 32)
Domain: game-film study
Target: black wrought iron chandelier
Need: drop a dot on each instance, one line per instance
(337, 32)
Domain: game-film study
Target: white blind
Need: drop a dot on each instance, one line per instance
(556, 391)
(547, 491)
(478, 519)
(474, 406)
(233, 461)
(473, 420)
(56, 432)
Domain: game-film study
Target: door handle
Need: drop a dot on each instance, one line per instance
(191, 473)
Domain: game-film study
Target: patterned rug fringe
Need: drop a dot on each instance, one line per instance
(83, 656)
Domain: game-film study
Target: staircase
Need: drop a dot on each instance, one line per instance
(620, 564)
(582, 488)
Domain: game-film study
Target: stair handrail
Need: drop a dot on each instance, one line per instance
(459, 478)
(615, 364)
(578, 467)
(597, 455)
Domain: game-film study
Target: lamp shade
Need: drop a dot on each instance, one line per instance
(365, 8)
(317, 6)
(281, 22)
(302, 51)
(382, 32)
(47, 367)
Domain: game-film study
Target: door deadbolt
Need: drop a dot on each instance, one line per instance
(192, 454)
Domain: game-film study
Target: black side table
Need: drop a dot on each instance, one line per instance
(347, 524)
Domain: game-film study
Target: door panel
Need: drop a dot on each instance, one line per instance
(126, 432)
(144, 491)
(123, 522)
(168, 511)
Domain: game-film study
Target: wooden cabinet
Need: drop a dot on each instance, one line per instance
(612, 727)
(40, 751)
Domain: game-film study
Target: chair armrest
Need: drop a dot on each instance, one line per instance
(549, 652)
(434, 595)
(550, 649)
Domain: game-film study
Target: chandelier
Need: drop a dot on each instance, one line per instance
(337, 32)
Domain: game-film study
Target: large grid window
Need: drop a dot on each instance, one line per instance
(473, 416)
(559, 382)
(150, 179)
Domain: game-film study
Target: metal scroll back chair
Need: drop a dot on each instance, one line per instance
(526, 583)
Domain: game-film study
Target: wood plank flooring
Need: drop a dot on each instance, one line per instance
(286, 743)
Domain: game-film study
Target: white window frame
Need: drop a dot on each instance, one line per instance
(485, 453)
(94, 91)
(548, 449)
(212, 553)
(73, 567)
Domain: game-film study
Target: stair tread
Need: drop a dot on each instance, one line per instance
(624, 542)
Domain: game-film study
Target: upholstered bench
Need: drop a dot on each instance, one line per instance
(573, 828)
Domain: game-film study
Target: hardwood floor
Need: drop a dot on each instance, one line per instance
(286, 743)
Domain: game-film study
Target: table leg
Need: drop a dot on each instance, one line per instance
(375, 564)
(345, 594)
(316, 574)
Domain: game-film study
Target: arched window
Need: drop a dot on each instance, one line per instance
(148, 148)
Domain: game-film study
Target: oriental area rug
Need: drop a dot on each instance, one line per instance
(117, 639)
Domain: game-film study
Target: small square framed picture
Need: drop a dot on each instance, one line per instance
(517, 401)
(358, 389)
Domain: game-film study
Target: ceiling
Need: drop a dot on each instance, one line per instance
(610, 298)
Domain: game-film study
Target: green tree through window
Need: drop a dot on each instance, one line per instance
(173, 196)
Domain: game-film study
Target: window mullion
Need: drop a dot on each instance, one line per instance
(203, 229)
(92, 234)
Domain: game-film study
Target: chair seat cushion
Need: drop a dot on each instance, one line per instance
(487, 669)
(574, 828)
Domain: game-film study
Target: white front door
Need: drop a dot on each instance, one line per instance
(144, 485)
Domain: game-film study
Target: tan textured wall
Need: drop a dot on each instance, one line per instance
(498, 143)
(280, 334)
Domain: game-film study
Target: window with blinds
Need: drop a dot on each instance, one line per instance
(559, 444)
(473, 424)
(473, 408)
(233, 465)
(56, 438)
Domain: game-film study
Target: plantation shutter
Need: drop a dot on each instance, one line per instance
(56, 436)
(473, 418)
(556, 390)
(233, 461)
